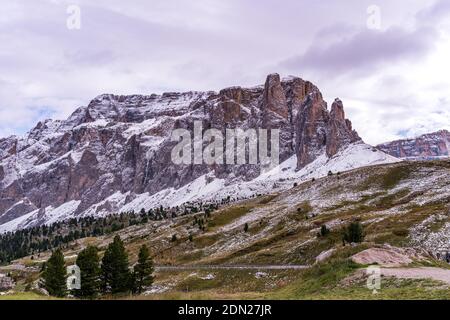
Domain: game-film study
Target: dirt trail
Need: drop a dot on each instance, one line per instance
(233, 267)
(418, 273)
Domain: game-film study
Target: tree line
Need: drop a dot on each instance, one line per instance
(32, 241)
(110, 275)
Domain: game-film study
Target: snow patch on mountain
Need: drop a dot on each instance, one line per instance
(209, 188)
(49, 215)
(285, 175)
(18, 223)
(201, 188)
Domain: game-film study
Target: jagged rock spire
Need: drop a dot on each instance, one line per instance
(319, 130)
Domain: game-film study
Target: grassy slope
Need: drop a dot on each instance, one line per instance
(283, 228)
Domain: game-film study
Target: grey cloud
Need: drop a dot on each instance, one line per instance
(365, 51)
(144, 47)
(432, 14)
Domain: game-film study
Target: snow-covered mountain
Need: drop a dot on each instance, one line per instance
(115, 154)
(428, 146)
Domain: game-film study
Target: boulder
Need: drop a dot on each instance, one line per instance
(6, 283)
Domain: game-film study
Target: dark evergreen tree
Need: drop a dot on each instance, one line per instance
(143, 270)
(116, 276)
(89, 264)
(353, 233)
(54, 275)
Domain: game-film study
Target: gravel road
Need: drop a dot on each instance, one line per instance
(231, 267)
(418, 273)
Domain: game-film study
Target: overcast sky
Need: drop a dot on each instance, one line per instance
(392, 73)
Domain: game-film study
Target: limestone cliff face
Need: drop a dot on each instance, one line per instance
(122, 144)
(275, 101)
(318, 129)
(311, 129)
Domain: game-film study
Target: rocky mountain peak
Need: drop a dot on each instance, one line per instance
(337, 110)
(318, 129)
(117, 149)
(340, 132)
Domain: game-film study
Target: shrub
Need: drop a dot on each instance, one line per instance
(324, 231)
(401, 232)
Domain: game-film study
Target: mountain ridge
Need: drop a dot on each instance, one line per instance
(117, 149)
(430, 145)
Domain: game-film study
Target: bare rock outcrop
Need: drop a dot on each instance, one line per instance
(388, 256)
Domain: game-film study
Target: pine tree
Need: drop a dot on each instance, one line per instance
(106, 270)
(354, 233)
(54, 275)
(143, 270)
(116, 277)
(89, 264)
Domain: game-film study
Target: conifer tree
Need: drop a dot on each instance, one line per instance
(116, 277)
(54, 275)
(353, 233)
(89, 264)
(143, 270)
